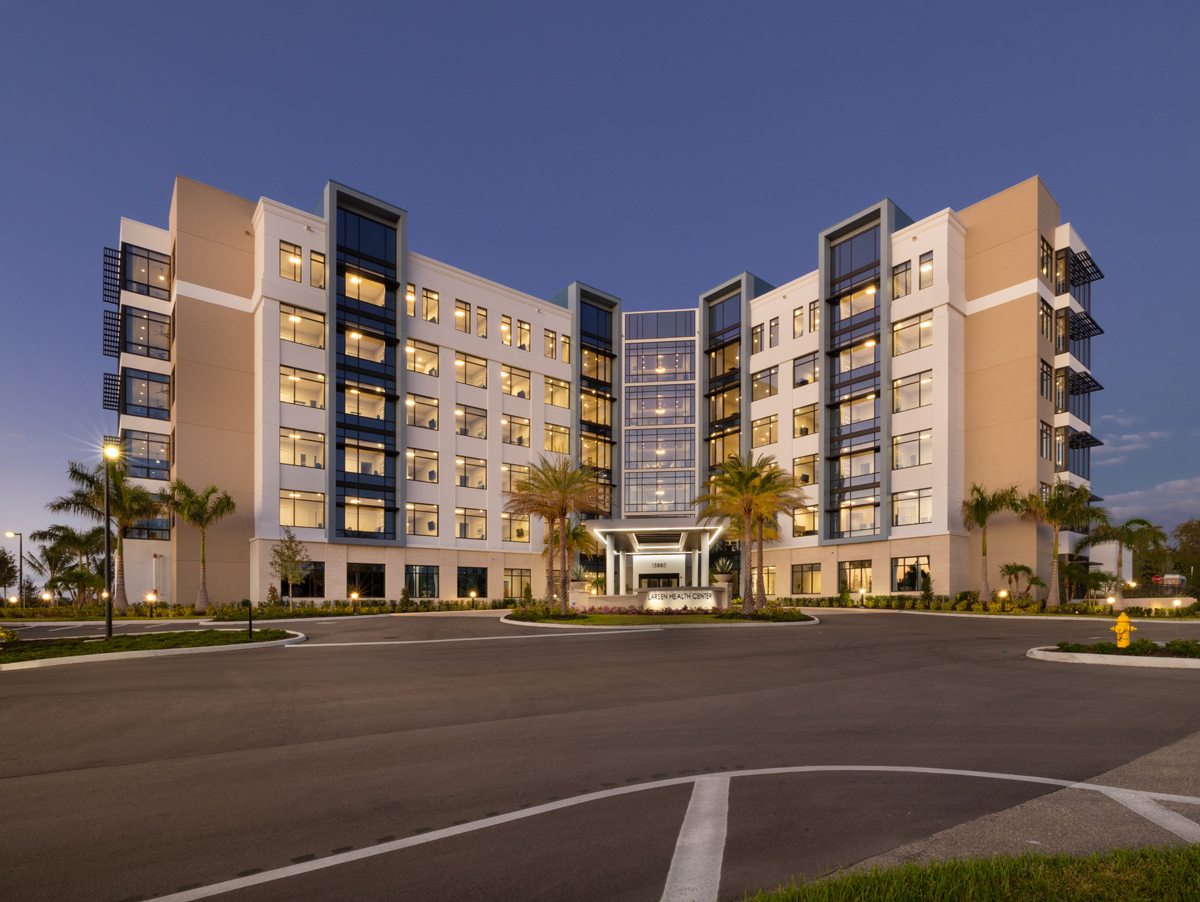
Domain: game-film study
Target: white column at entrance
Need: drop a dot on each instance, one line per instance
(704, 562)
(609, 541)
(621, 572)
(695, 569)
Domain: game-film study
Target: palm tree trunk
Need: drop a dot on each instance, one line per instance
(202, 594)
(1052, 600)
(747, 552)
(119, 601)
(1118, 592)
(985, 592)
(565, 576)
(760, 598)
(550, 525)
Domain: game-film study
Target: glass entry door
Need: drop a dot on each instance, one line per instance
(659, 581)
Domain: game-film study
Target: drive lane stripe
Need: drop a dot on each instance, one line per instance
(318, 644)
(695, 874)
(216, 889)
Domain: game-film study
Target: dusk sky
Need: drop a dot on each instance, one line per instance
(651, 150)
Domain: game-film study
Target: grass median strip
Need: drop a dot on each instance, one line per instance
(37, 649)
(1124, 875)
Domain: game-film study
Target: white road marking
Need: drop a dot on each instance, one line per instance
(216, 889)
(1169, 820)
(695, 874)
(55, 629)
(311, 644)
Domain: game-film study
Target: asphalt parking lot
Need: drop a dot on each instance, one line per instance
(432, 757)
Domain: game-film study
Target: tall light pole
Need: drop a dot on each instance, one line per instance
(21, 564)
(110, 454)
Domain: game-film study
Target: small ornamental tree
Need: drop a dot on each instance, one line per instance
(290, 562)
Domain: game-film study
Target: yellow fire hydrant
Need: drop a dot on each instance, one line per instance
(1123, 628)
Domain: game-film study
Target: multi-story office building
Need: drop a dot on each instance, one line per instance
(923, 356)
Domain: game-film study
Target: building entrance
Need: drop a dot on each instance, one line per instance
(659, 581)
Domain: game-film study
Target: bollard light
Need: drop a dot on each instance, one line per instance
(46, 596)
(1111, 600)
(1004, 593)
(1178, 602)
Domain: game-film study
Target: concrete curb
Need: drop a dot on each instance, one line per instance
(650, 626)
(1077, 618)
(1071, 657)
(152, 653)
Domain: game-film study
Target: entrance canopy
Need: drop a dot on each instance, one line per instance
(669, 547)
(660, 535)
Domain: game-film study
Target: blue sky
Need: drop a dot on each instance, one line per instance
(652, 150)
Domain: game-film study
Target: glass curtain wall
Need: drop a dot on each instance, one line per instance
(365, 505)
(853, 395)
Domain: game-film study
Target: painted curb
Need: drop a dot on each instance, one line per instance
(153, 652)
(666, 626)
(1071, 657)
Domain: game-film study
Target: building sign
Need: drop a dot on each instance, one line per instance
(677, 598)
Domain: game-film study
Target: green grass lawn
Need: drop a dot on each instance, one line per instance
(660, 619)
(36, 649)
(1126, 875)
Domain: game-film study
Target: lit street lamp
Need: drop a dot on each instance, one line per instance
(110, 453)
(20, 561)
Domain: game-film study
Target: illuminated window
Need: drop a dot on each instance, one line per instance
(925, 276)
(804, 469)
(566, 348)
(804, 521)
(804, 420)
(558, 438)
(910, 508)
(773, 332)
(316, 269)
(358, 286)
(549, 343)
(522, 335)
(429, 305)
(470, 370)
(764, 383)
(901, 280)
(765, 431)
(912, 391)
(290, 261)
(470, 523)
(470, 421)
(146, 272)
(481, 322)
(301, 387)
(506, 332)
(806, 579)
(912, 334)
(298, 448)
(514, 528)
(516, 581)
(146, 454)
(805, 370)
(410, 300)
(301, 326)
(422, 465)
(913, 449)
(301, 509)
(470, 472)
(909, 573)
(421, 519)
(420, 357)
(462, 316)
(146, 333)
(514, 381)
(512, 475)
(422, 411)
(558, 392)
(514, 430)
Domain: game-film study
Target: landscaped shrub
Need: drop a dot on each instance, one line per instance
(1188, 647)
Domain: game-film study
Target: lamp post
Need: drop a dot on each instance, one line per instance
(862, 598)
(20, 562)
(110, 453)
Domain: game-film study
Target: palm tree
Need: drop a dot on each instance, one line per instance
(732, 493)
(128, 503)
(778, 492)
(579, 540)
(977, 508)
(555, 490)
(1063, 507)
(200, 510)
(50, 562)
(84, 546)
(1136, 532)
